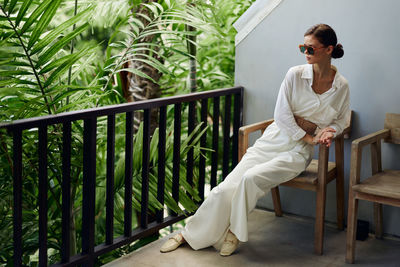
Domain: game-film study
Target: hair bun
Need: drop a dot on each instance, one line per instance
(338, 51)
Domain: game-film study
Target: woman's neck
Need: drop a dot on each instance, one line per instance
(323, 77)
(322, 70)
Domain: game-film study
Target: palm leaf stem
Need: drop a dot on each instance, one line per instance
(29, 58)
(72, 48)
(115, 68)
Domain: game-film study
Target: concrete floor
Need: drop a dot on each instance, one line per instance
(273, 241)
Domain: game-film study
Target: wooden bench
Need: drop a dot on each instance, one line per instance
(383, 187)
(315, 178)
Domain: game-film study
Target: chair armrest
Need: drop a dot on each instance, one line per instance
(244, 132)
(356, 152)
(262, 125)
(371, 138)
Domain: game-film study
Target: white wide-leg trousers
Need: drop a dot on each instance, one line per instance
(228, 204)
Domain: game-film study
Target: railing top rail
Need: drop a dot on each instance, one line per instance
(116, 109)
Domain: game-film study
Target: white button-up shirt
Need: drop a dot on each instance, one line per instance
(296, 97)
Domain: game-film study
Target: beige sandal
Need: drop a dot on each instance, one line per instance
(172, 243)
(230, 244)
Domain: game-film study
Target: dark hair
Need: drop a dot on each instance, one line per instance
(326, 36)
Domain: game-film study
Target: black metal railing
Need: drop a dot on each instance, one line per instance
(90, 251)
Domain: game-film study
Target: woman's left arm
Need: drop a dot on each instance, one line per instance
(340, 123)
(337, 126)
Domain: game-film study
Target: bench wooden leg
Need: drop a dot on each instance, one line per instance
(320, 219)
(276, 199)
(378, 220)
(351, 228)
(340, 202)
(339, 183)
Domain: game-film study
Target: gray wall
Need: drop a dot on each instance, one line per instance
(370, 33)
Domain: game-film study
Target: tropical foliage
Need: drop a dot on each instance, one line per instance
(62, 55)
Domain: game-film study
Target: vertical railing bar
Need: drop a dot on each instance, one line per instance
(42, 195)
(226, 138)
(176, 153)
(145, 168)
(110, 179)
(128, 174)
(161, 161)
(236, 125)
(203, 143)
(191, 125)
(89, 189)
(17, 192)
(66, 192)
(214, 154)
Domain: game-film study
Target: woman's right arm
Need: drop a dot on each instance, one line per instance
(283, 114)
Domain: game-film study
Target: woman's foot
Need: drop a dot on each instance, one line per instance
(172, 243)
(230, 244)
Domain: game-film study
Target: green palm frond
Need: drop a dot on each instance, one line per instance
(100, 17)
(33, 56)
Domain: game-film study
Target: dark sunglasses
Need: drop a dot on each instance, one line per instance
(310, 50)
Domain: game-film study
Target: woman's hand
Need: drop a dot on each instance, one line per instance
(325, 136)
(311, 140)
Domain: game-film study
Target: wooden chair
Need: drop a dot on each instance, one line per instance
(315, 178)
(383, 187)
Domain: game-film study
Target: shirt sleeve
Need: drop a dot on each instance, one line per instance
(340, 123)
(283, 114)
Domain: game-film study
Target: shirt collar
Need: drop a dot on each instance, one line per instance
(307, 72)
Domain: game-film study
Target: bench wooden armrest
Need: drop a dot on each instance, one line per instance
(373, 139)
(244, 132)
(258, 126)
(370, 138)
